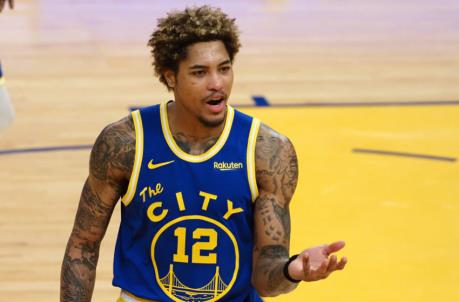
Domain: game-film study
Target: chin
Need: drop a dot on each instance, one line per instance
(212, 122)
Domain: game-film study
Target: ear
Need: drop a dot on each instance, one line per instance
(170, 78)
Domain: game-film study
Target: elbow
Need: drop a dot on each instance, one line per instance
(264, 290)
(267, 294)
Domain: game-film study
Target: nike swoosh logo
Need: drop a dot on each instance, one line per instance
(153, 166)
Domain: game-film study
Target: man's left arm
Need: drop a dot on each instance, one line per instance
(277, 176)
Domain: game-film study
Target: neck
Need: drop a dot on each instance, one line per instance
(190, 134)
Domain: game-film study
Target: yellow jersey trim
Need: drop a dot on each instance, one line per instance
(127, 198)
(251, 171)
(190, 157)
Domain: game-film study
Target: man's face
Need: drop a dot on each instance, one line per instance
(203, 82)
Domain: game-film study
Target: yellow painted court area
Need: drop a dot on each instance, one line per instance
(398, 215)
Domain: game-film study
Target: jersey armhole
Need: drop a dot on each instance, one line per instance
(127, 198)
(251, 171)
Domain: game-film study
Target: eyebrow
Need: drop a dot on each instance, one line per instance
(205, 67)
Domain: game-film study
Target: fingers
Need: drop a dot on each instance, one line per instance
(319, 264)
(333, 264)
(341, 264)
(334, 247)
(306, 268)
(326, 267)
(322, 270)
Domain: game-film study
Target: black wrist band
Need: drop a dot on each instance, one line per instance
(286, 275)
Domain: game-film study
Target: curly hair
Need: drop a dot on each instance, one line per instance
(182, 28)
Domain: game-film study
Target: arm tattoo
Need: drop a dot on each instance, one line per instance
(78, 274)
(91, 210)
(272, 255)
(276, 220)
(277, 164)
(82, 252)
(111, 163)
(277, 175)
(114, 151)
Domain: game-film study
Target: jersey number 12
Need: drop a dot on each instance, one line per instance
(199, 246)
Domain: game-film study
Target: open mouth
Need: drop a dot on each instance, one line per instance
(216, 105)
(215, 102)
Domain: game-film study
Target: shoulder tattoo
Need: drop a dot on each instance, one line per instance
(276, 164)
(112, 156)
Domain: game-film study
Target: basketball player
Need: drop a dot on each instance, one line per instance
(6, 109)
(205, 189)
(10, 3)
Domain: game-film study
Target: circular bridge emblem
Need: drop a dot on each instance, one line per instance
(195, 258)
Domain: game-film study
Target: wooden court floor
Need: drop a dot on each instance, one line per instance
(366, 90)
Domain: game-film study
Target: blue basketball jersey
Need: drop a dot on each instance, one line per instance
(186, 231)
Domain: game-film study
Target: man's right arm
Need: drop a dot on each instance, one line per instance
(10, 3)
(6, 109)
(110, 165)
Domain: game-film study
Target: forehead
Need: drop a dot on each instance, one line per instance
(206, 53)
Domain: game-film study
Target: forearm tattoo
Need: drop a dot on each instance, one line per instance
(81, 255)
(78, 273)
(111, 163)
(272, 260)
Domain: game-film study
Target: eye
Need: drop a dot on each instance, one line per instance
(225, 69)
(198, 73)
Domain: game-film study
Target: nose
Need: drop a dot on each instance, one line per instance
(215, 82)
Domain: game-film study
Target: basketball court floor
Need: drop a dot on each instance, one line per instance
(368, 91)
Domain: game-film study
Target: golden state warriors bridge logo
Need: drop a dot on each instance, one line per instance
(195, 258)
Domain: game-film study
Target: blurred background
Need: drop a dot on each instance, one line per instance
(368, 91)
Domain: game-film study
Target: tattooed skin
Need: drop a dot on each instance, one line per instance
(277, 175)
(112, 158)
(276, 279)
(193, 145)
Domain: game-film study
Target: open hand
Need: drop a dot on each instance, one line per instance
(316, 263)
(2, 4)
